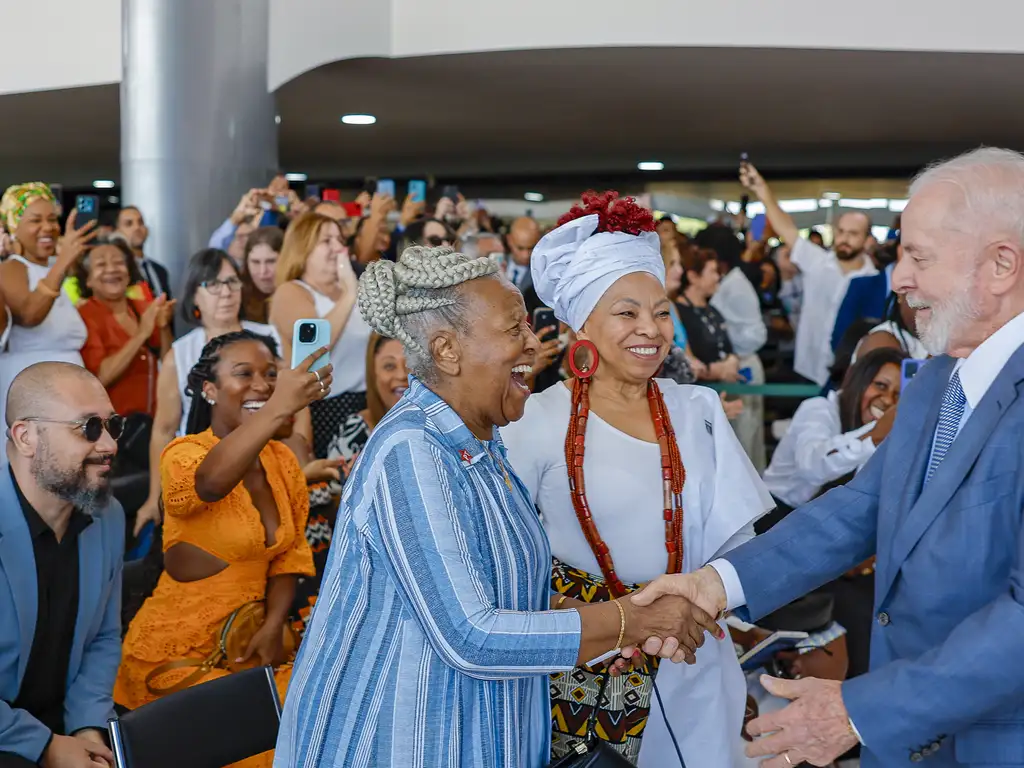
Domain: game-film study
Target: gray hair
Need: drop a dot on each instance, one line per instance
(991, 181)
(409, 300)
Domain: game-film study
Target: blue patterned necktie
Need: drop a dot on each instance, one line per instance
(952, 411)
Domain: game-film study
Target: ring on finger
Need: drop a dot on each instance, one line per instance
(319, 380)
(322, 387)
(786, 755)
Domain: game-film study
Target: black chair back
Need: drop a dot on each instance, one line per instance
(209, 725)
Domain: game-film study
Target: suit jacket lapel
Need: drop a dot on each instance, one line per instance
(18, 563)
(962, 455)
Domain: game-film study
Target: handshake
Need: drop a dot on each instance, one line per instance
(669, 617)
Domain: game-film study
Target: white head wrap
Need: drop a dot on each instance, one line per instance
(572, 267)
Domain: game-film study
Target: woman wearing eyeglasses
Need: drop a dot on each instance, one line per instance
(213, 300)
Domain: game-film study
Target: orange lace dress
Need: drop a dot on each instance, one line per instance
(178, 620)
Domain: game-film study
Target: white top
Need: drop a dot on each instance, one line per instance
(722, 497)
(815, 451)
(738, 304)
(59, 338)
(189, 348)
(825, 285)
(913, 345)
(348, 355)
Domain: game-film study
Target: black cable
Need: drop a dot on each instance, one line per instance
(672, 736)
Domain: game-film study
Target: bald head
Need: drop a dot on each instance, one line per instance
(522, 237)
(52, 390)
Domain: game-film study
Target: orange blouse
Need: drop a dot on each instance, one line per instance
(178, 620)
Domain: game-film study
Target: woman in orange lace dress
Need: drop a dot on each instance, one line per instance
(236, 504)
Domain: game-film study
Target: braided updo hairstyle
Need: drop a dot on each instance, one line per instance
(408, 300)
(199, 412)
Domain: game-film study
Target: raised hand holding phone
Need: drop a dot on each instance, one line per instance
(303, 384)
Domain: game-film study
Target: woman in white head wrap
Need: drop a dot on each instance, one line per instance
(613, 459)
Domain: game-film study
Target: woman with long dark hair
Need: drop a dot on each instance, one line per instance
(236, 504)
(834, 435)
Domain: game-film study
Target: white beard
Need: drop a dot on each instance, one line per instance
(946, 318)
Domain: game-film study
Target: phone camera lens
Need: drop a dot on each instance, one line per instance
(307, 333)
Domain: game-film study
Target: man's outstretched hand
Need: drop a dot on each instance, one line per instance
(703, 588)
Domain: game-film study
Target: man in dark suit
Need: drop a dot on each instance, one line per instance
(523, 235)
(61, 548)
(132, 227)
(939, 504)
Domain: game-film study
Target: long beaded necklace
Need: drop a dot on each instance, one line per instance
(673, 476)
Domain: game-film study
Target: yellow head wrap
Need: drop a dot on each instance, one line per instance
(19, 197)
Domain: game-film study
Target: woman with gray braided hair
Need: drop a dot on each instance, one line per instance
(435, 630)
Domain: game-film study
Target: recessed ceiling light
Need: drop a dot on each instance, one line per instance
(104, 184)
(113, 199)
(534, 197)
(358, 119)
(295, 176)
(650, 165)
(277, 119)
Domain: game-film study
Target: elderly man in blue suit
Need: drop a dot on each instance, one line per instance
(61, 546)
(940, 503)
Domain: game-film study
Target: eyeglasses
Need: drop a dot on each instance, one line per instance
(217, 287)
(92, 428)
(435, 241)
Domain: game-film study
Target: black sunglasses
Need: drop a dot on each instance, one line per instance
(92, 428)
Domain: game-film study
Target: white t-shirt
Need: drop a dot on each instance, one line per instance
(825, 285)
(815, 451)
(738, 304)
(722, 498)
(913, 345)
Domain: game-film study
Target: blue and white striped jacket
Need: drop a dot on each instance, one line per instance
(431, 640)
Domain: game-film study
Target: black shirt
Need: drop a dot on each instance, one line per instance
(45, 684)
(705, 332)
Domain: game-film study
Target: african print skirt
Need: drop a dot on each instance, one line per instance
(626, 703)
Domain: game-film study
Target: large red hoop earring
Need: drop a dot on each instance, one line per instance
(584, 373)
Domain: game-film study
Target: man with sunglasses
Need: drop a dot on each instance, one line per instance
(61, 547)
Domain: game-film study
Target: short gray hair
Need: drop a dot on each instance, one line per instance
(409, 300)
(992, 183)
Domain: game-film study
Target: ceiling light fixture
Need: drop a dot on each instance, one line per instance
(277, 119)
(650, 165)
(534, 197)
(716, 205)
(874, 202)
(798, 206)
(823, 203)
(831, 195)
(897, 206)
(295, 176)
(358, 119)
(103, 184)
(755, 209)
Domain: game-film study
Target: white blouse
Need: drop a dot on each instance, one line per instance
(722, 497)
(815, 451)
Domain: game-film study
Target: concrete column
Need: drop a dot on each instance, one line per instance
(197, 122)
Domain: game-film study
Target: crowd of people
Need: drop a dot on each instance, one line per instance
(498, 518)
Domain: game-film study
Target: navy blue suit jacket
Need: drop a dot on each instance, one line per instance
(947, 648)
(96, 648)
(865, 297)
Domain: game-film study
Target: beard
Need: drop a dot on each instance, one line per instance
(70, 484)
(946, 318)
(846, 254)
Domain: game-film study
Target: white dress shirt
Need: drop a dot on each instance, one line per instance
(517, 274)
(825, 285)
(738, 304)
(815, 451)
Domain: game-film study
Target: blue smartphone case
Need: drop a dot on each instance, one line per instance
(303, 349)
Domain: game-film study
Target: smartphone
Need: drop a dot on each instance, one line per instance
(451, 192)
(386, 187)
(744, 158)
(544, 318)
(88, 208)
(908, 370)
(331, 195)
(746, 374)
(307, 337)
(282, 202)
(417, 190)
(313, 190)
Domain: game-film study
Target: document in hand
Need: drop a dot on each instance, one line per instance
(764, 651)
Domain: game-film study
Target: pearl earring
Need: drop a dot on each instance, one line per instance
(206, 397)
